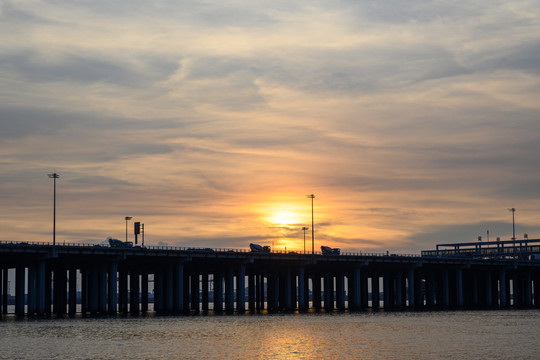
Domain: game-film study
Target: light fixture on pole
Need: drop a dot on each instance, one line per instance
(305, 228)
(54, 176)
(311, 196)
(127, 219)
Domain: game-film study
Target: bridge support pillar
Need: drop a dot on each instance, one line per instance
(445, 289)
(503, 301)
(489, 289)
(241, 290)
(218, 291)
(93, 291)
(229, 290)
(19, 289)
(31, 294)
(72, 291)
(528, 289)
(459, 288)
(112, 288)
(302, 293)
(399, 290)
(355, 290)
(144, 292)
(204, 289)
(340, 291)
(375, 292)
(410, 288)
(103, 270)
(328, 281)
(175, 298)
(251, 291)
(195, 291)
(536, 289)
(134, 290)
(5, 290)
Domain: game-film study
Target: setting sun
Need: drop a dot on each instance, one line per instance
(284, 218)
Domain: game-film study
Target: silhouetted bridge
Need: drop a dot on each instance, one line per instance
(92, 279)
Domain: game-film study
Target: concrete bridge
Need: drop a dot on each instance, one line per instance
(91, 279)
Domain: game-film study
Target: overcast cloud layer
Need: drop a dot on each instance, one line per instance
(413, 123)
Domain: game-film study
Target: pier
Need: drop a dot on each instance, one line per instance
(70, 279)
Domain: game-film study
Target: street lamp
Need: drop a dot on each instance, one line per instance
(127, 219)
(513, 210)
(54, 176)
(305, 228)
(311, 196)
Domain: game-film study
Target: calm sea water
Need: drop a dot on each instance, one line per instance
(379, 335)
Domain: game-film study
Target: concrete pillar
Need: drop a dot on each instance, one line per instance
(375, 292)
(340, 291)
(218, 291)
(387, 281)
(176, 287)
(48, 290)
(399, 290)
(103, 269)
(158, 290)
(410, 288)
(144, 292)
(459, 288)
(93, 291)
(355, 290)
(134, 289)
(31, 294)
(20, 277)
(431, 293)
(528, 289)
(229, 290)
(123, 290)
(170, 286)
(503, 301)
(5, 290)
(72, 298)
(251, 292)
(285, 279)
(195, 291)
(113, 288)
(84, 291)
(489, 290)
(204, 289)
(302, 298)
(445, 289)
(241, 290)
(60, 290)
(316, 291)
(536, 289)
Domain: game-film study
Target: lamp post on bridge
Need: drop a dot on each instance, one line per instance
(305, 228)
(54, 176)
(311, 196)
(513, 210)
(127, 218)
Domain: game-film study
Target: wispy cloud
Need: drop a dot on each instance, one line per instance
(411, 122)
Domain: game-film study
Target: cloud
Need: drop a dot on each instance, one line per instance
(407, 120)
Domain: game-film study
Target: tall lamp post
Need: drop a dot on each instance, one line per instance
(513, 210)
(127, 219)
(54, 176)
(305, 228)
(311, 196)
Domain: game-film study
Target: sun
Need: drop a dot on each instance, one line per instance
(284, 218)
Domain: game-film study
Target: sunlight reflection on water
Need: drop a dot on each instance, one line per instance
(430, 335)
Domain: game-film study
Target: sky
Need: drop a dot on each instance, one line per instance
(413, 123)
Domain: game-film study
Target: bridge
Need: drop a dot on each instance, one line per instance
(70, 279)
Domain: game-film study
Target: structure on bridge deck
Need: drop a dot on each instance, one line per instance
(92, 279)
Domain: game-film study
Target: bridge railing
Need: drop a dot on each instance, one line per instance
(196, 249)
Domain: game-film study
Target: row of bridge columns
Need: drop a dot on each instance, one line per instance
(111, 288)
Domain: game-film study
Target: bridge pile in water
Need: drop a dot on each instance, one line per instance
(92, 279)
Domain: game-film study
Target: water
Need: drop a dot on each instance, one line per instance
(377, 335)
